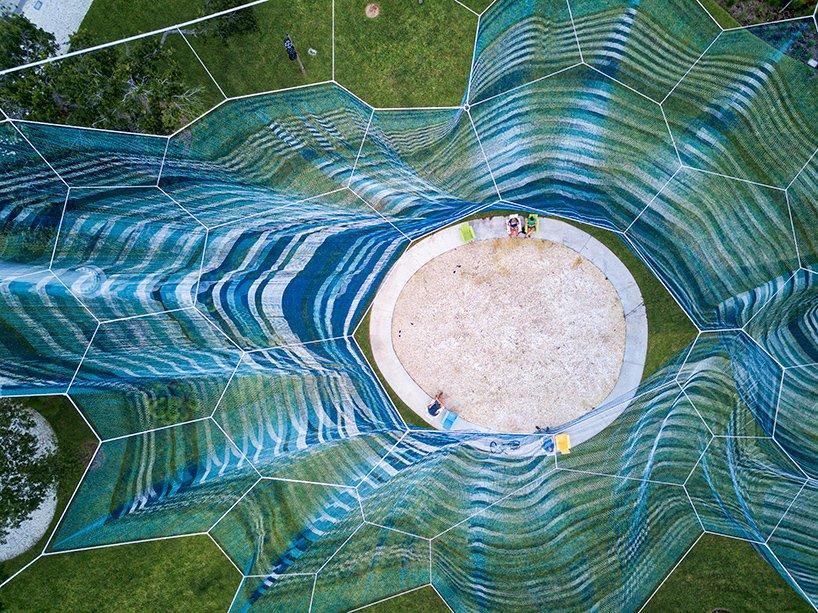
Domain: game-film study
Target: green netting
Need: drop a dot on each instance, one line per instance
(742, 487)
(746, 108)
(274, 528)
(162, 483)
(150, 372)
(647, 45)
(233, 400)
(578, 145)
(98, 158)
(33, 197)
(128, 252)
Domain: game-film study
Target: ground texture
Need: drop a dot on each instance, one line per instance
(517, 333)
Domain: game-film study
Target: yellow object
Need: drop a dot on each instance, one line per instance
(533, 222)
(466, 232)
(563, 443)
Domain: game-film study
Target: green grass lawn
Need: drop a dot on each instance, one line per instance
(422, 600)
(411, 55)
(75, 446)
(184, 574)
(725, 573)
(253, 62)
(478, 6)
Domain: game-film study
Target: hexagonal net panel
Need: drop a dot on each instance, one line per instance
(196, 296)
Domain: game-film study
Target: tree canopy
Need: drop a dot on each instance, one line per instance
(26, 471)
(21, 42)
(238, 22)
(135, 87)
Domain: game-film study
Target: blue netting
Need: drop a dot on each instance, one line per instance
(200, 306)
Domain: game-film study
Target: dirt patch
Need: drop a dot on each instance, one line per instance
(517, 333)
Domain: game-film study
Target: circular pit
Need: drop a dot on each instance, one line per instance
(516, 332)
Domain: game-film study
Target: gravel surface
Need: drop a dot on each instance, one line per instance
(26, 535)
(515, 332)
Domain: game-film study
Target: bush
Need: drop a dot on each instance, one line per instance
(136, 87)
(21, 42)
(26, 473)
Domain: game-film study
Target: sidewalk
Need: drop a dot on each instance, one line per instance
(60, 17)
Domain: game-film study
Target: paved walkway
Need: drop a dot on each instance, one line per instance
(60, 17)
(556, 231)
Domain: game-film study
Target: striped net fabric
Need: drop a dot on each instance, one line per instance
(195, 297)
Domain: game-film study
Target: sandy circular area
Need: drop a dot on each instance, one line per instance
(372, 10)
(517, 333)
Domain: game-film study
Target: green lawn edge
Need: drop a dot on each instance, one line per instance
(725, 573)
(179, 574)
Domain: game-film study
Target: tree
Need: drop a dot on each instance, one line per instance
(21, 42)
(237, 22)
(137, 86)
(26, 472)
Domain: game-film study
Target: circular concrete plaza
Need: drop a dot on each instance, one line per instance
(516, 332)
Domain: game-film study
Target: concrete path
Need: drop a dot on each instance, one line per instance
(60, 17)
(495, 227)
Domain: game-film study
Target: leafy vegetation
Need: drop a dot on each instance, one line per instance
(75, 447)
(141, 86)
(238, 22)
(183, 574)
(748, 12)
(21, 42)
(721, 573)
(27, 470)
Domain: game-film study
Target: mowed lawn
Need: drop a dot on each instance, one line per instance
(722, 573)
(183, 574)
(412, 54)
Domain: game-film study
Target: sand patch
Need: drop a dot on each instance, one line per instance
(516, 332)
